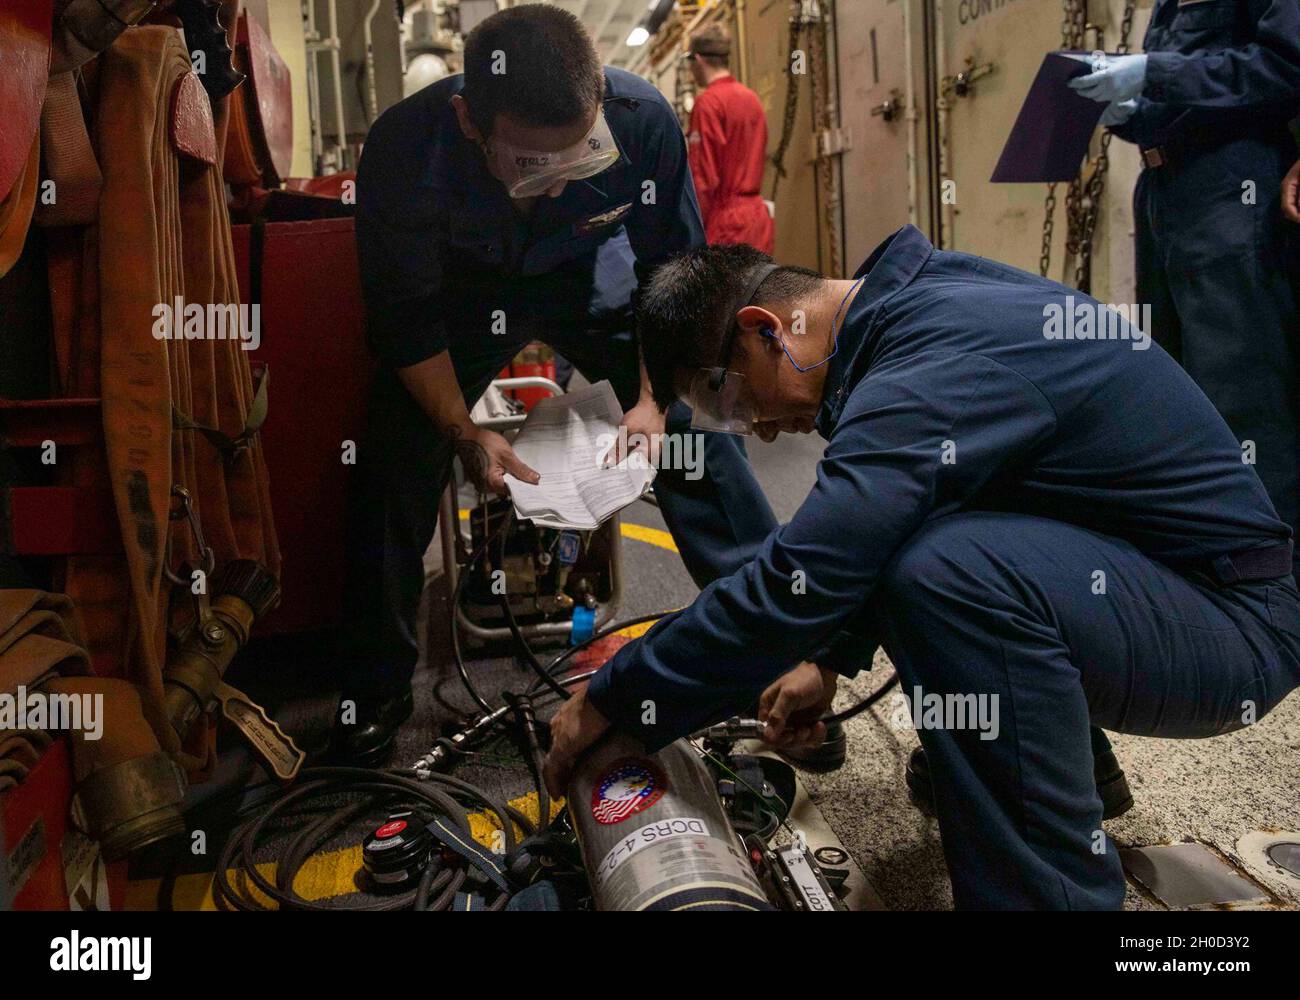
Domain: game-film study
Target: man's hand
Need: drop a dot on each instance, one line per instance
(767, 430)
(793, 706)
(576, 726)
(1291, 193)
(487, 457)
(645, 427)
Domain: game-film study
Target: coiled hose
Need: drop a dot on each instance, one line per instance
(315, 810)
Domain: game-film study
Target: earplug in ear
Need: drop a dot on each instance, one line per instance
(767, 331)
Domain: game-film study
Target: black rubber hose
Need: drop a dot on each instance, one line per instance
(523, 709)
(864, 704)
(529, 656)
(842, 716)
(441, 793)
(455, 628)
(608, 630)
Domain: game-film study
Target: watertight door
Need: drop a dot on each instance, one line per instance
(885, 119)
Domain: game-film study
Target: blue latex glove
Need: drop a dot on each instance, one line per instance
(1120, 79)
(1119, 112)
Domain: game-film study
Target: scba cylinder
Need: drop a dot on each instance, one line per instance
(653, 833)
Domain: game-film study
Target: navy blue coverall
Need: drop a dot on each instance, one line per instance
(1213, 250)
(448, 264)
(1048, 523)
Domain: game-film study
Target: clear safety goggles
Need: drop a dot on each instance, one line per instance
(527, 173)
(720, 399)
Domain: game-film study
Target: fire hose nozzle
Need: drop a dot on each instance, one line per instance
(193, 680)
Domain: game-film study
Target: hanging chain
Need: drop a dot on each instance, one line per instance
(1097, 182)
(791, 96)
(1049, 226)
(821, 125)
(1083, 198)
(1073, 25)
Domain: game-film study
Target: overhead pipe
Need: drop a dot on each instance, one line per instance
(310, 37)
(337, 68)
(315, 45)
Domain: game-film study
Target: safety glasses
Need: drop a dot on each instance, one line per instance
(527, 173)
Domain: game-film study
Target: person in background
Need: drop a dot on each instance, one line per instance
(727, 146)
(1208, 104)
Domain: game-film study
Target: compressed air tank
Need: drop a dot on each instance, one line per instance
(653, 833)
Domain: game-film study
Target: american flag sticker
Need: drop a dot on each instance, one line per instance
(630, 786)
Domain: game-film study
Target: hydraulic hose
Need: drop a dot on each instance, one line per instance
(521, 641)
(315, 805)
(864, 704)
(455, 629)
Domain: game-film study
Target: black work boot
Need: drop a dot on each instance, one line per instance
(1112, 785)
(369, 741)
(825, 757)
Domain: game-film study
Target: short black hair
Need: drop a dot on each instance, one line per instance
(685, 309)
(712, 43)
(535, 62)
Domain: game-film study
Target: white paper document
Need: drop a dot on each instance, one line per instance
(566, 440)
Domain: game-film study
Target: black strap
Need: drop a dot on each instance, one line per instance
(1270, 563)
(256, 247)
(460, 843)
(746, 297)
(1180, 142)
(231, 447)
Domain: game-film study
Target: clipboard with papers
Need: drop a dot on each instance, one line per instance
(1050, 138)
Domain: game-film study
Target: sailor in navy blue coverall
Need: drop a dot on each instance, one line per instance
(1061, 527)
(449, 264)
(1221, 83)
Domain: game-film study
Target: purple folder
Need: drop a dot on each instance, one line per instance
(1050, 138)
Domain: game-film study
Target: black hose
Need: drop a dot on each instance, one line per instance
(608, 630)
(455, 606)
(529, 656)
(367, 791)
(523, 709)
(864, 704)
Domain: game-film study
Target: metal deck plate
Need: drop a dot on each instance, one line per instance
(1184, 876)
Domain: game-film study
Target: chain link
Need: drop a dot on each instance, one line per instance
(791, 96)
(821, 124)
(1049, 226)
(1083, 198)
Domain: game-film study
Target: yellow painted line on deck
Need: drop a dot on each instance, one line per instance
(651, 536)
(327, 874)
(632, 631)
(637, 532)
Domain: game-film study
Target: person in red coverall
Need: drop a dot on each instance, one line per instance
(727, 146)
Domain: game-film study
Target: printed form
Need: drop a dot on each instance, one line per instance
(566, 440)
